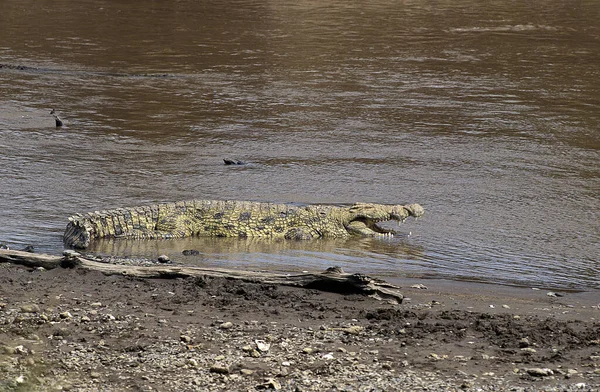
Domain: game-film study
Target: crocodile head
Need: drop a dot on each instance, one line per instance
(363, 219)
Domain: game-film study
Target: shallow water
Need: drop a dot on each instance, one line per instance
(486, 114)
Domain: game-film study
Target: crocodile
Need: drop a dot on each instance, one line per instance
(228, 218)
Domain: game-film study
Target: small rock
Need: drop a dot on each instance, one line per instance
(419, 286)
(30, 308)
(65, 315)
(353, 330)
(307, 350)
(29, 249)
(553, 294)
(164, 259)
(524, 343)
(540, 372)
(246, 372)
(226, 325)
(270, 383)
(528, 350)
(185, 339)
(262, 346)
(219, 368)
(9, 350)
(20, 349)
(109, 317)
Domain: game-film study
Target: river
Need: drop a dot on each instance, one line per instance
(486, 113)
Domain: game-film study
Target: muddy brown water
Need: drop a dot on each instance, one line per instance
(486, 113)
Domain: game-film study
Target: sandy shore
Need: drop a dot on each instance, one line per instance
(83, 331)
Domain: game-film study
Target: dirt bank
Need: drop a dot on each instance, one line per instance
(67, 329)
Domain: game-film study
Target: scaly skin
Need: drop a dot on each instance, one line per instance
(218, 218)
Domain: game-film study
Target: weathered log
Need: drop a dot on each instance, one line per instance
(28, 259)
(333, 279)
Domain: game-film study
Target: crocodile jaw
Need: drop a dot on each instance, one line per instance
(369, 226)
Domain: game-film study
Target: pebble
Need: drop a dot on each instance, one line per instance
(353, 330)
(226, 325)
(185, 338)
(164, 259)
(270, 383)
(219, 368)
(262, 346)
(30, 308)
(540, 372)
(553, 294)
(524, 343)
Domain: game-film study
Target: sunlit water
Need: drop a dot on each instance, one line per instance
(486, 114)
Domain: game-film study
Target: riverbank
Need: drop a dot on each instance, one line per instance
(84, 331)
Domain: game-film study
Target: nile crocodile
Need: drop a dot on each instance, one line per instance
(235, 219)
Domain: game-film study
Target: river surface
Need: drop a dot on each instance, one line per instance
(486, 113)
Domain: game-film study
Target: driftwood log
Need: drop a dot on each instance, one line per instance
(333, 279)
